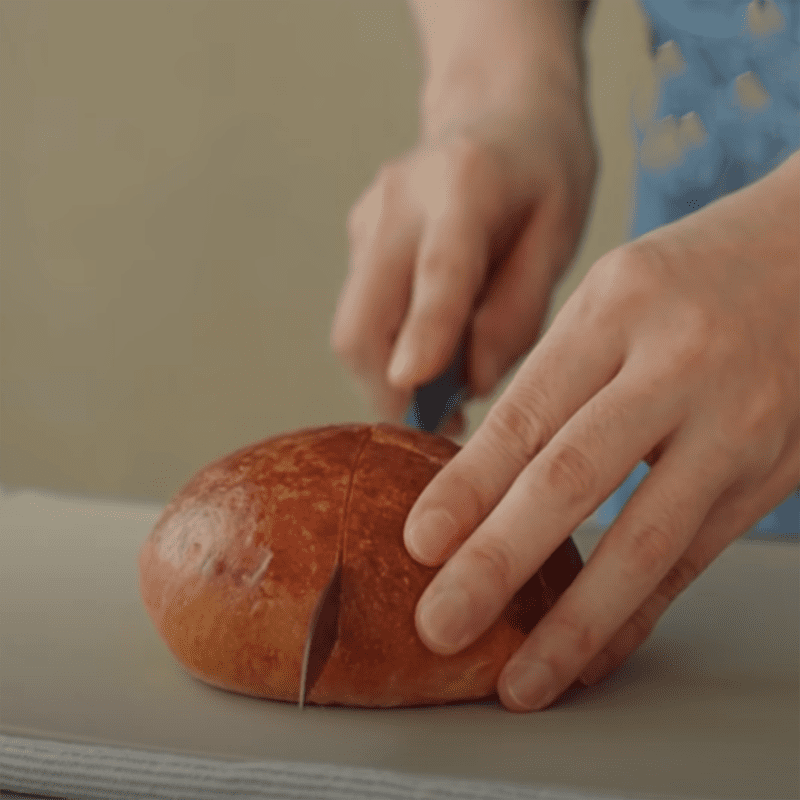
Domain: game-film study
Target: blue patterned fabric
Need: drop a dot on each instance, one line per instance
(743, 144)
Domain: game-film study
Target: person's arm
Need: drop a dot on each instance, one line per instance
(450, 29)
(467, 233)
(475, 46)
(679, 348)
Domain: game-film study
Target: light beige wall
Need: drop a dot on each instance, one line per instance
(175, 179)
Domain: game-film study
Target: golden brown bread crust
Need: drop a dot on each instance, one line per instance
(234, 565)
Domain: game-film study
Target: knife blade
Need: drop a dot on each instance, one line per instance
(322, 632)
(435, 401)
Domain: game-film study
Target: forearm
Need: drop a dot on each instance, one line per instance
(488, 51)
(495, 31)
(775, 199)
(774, 203)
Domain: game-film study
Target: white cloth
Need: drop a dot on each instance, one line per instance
(109, 773)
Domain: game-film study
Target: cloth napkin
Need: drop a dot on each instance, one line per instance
(110, 773)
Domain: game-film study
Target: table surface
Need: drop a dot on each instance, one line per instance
(708, 707)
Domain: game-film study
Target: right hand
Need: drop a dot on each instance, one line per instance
(471, 228)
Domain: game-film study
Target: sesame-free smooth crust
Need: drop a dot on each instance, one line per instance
(232, 570)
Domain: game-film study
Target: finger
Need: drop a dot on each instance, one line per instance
(374, 300)
(455, 425)
(568, 366)
(646, 541)
(568, 479)
(450, 268)
(510, 316)
(730, 517)
(640, 625)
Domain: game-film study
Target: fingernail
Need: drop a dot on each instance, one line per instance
(529, 683)
(445, 618)
(402, 365)
(435, 525)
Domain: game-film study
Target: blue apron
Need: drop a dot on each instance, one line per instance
(744, 140)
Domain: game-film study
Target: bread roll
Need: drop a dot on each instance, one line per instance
(235, 563)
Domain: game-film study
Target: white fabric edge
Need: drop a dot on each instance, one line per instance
(83, 772)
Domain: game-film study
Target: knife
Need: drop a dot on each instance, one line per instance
(323, 631)
(432, 404)
(435, 401)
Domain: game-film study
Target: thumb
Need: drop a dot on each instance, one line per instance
(450, 269)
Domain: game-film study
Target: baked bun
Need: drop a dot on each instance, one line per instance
(233, 568)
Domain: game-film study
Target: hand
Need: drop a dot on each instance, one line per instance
(680, 348)
(470, 229)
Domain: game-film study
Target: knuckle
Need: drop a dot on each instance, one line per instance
(642, 623)
(570, 474)
(639, 627)
(693, 340)
(390, 180)
(648, 548)
(509, 322)
(485, 329)
(682, 573)
(493, 558)
(476, 174)
(643, 258)
(469, 157)
(520, 430)
(343, 340)
(438, 318)
(441, 298)
(618, 287)
(766, 407)
(575, 629)
(624, 268)
(753, 432)
(471, 508)
(442, 267)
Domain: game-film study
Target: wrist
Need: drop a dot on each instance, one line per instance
(454, 31)
(773, 229)
(484, 56)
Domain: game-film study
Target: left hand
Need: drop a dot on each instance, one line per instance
(680, 348)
